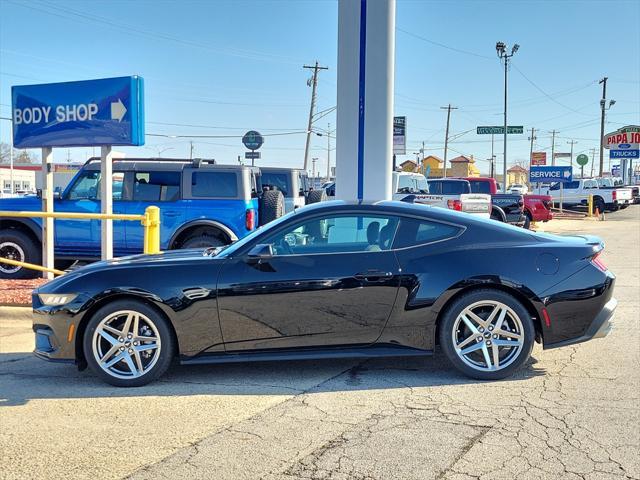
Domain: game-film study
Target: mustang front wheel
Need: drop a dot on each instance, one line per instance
(487, 334)
(128, 344)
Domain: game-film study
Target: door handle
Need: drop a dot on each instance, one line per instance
(171, 214)
(374, 276)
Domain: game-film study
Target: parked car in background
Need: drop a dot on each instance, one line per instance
(454, 194)
(505, 207)
(617, 183)
(576, 194)
(537, 208)
(518, 188)
(201, 204)
(294, 185)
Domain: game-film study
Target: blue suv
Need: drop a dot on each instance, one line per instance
(201, 205)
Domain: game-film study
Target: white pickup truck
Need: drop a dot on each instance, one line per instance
(454, 194)
(576, 193)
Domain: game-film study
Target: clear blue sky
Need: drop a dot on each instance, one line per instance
(226, 66)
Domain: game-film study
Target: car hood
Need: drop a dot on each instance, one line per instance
(32, 204)
(135, 261)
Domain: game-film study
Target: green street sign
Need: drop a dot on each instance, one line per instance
(582, 160)
(511, 129)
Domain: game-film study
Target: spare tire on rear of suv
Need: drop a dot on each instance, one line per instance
(271, 206)
(316, 196)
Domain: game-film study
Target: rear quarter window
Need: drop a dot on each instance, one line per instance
(413, 232)
(214, 184)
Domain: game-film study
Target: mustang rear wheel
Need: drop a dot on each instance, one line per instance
(128, 344)
(487, 334)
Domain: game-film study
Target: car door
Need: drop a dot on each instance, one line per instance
(331, 280)
(154, 187)
(83, 237)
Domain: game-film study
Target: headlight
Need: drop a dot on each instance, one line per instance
(56, 299)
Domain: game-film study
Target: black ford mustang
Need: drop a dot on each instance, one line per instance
(333, 280)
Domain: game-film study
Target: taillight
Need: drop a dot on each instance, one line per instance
(250, 219)
(598, 263)
(455, 205)
(614, 194)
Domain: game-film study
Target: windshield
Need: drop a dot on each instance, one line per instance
(412, 184)
(230, 249)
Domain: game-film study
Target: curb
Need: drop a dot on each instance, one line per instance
(13, 313)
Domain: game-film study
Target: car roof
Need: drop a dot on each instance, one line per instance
(388, 206)
(447, 180)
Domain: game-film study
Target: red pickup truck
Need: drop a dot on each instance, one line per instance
(537, 208)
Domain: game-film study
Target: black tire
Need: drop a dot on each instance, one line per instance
(316, 196)
(19, 246)
(495, 215)
(447, 323)
(599, 204)
(167, 343)
(271, 206)
(527, 221)
(623, 206)
(202, 241)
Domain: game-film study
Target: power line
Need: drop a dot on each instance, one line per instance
(442, 45)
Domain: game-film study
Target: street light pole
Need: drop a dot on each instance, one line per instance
(501, 49)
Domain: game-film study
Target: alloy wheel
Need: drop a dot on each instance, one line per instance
(126, 344)
(12, 251)
(488, 336)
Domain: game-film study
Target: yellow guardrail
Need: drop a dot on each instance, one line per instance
(150, 220)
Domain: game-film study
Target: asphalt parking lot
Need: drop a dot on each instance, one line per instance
(572, 413)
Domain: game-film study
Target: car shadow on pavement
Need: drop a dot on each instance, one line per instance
(24, 377)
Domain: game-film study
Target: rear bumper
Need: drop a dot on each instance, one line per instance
(599, 328)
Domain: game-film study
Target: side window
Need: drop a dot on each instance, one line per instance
(279, 181)
(405, 184)
(214, 184)
(555, 186)
(418, 232)
(156, 186)
(336, 234)
(572, 185)
(87, 187)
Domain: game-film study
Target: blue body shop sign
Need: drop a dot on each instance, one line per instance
(107, 111)
(550, 174)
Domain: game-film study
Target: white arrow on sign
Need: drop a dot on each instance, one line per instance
(567, 174)
(118, 110)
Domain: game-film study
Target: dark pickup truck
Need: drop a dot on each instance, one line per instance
(505, 207)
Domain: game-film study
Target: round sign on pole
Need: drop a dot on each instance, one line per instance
(582, 160)
(252, 140)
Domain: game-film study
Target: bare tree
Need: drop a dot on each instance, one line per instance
(19, 156)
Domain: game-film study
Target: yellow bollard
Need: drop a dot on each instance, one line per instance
(151, 225)
(590, 206)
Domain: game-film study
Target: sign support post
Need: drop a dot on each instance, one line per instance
(47, 207)
(106, 201)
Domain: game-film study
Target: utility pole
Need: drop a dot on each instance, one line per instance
(501, 50)
(572, 143)
(313, 169)
(593, 156)
(448, 108)
(553, 147)
(328, 152)
(191, 150)
(532, 138)
(313, 83)
(603, 102)
(493, 160)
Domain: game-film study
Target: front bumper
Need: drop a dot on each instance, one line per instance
(599, 328)
(55, 329)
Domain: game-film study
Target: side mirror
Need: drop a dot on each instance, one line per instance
(261, 251)
(57, 194)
